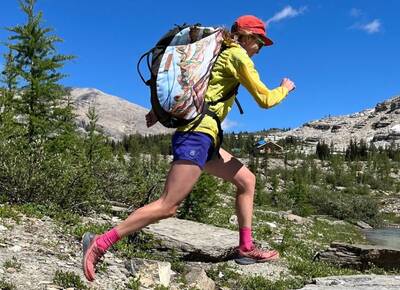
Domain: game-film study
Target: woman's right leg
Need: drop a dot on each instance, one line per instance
(180, 181)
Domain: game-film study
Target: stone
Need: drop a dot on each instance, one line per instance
(197, 278)
(271, 225)
(395, 129)
(295, 218)
(361, 256)
(233, 220)
(380, 124)
(2, 228)
(194, 240)
(15, 248)
(381, 107)
(150, 272)
(355, 282)
(363, 225)
(271, 271)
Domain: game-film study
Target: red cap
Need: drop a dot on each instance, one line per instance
(255, 25)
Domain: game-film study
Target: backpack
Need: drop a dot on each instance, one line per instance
(180, 69)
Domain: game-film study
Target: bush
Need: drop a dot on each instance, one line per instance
(69, 280)
(346, 206)
(200, 202)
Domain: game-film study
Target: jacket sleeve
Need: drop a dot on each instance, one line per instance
(243, 70)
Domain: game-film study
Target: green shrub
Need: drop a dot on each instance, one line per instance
(200, 202)
(69, 279)
(4, 285)
(347, 206)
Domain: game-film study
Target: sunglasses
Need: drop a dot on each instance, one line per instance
(260, 42)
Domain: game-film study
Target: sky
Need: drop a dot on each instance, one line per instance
(342, 55)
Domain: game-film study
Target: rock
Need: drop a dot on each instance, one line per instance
(53, 287)
(295, 218)
(395, 129)
(2, 228)
(271, 225)
(150, 272)
(363, 225)
(11, 270)
(380, 137)
(355, 282)
(197, 278)
(194, 240)
(119, 209)
(361, 256)
(380, 124)
(233, 220)
(271, 271)
(335, 128)
(15, 248)
(381, 107)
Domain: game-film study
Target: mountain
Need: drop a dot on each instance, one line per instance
(379, 126)
(117, 117)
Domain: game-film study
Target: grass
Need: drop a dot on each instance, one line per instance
(4, 285)
(12, 263)
(69, 280)
(299, 243)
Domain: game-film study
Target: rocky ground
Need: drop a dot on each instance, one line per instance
(34, 250)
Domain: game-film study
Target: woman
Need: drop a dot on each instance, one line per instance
(196, 150)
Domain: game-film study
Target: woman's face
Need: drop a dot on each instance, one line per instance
(252, 44)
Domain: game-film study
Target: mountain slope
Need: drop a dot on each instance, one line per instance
(117, 117)
(379, 126)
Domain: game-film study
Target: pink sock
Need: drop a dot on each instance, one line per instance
(106, 240)
(245, 239)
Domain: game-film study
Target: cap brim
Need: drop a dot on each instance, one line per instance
(267, 41)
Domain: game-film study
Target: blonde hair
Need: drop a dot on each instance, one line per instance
(236, 35)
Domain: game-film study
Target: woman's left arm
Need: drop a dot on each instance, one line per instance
(244, 71)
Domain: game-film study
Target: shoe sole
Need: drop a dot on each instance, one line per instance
(87, 239)
(249, 261)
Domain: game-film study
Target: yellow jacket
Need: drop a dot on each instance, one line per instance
(234, 66)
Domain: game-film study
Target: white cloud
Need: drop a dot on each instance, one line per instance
(287, 12)
(229, 124)
(372, 27)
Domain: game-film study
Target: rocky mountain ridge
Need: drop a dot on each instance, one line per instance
(117, 117)
(379, 126)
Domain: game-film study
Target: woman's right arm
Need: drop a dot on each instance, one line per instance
(242, 68)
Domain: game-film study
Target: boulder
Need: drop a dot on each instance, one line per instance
(381, 107)
(198, 279)
(355, 282)
(380, 124)
(363, 225)
(361, 256)
(395, 130)
(149, 272)
(195, 241)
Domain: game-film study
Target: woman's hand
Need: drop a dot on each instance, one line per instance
(151, 119)
(287, 83)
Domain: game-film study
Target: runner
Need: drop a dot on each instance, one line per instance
(200, 149)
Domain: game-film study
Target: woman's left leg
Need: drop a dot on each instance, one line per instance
(231, 169)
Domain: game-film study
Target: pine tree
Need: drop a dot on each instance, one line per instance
(38, 119)
(35, 63)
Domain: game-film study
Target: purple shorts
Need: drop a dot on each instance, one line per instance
(192, 146)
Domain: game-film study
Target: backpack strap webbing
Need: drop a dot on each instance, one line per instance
(207, 111)
(227, 97)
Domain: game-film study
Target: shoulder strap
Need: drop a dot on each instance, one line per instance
(227, 97)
